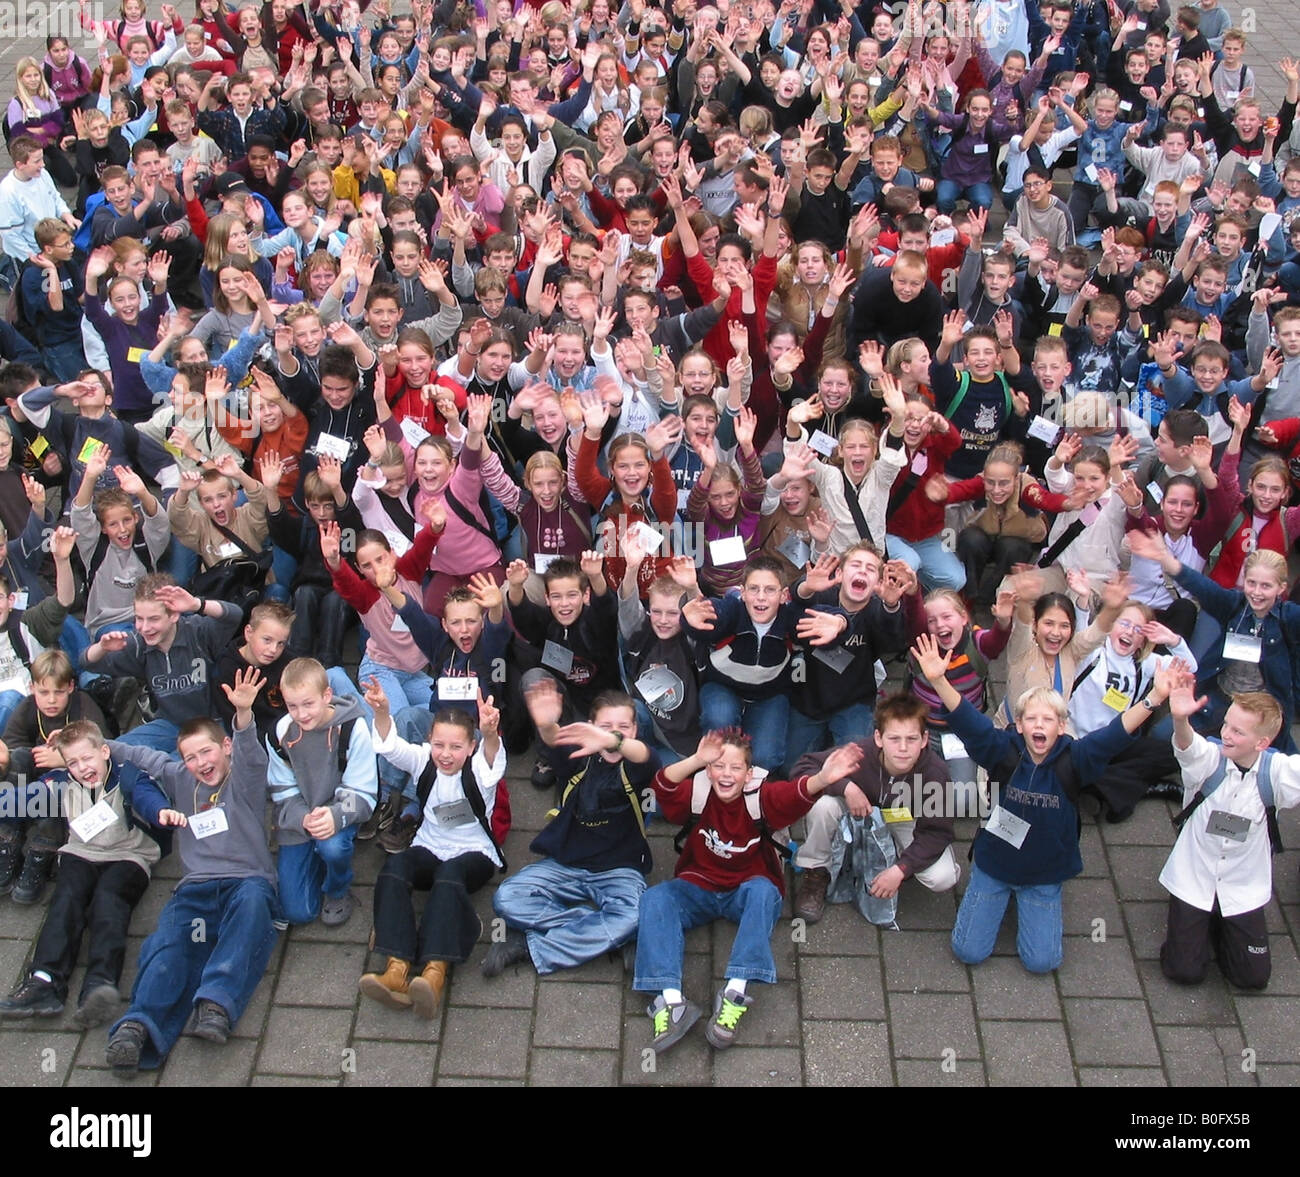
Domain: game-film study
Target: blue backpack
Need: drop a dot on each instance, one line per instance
(1263, 782)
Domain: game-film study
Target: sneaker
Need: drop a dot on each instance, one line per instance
(399, 836)
(125, 1047)
(211, 1023)
(543, 775)
(334, 912)
(671, 1022)
(10, 860)
(501, 955)
(34, 875)
(382, 817)
(33, 996)
(728, 1008)
(98, 1004)
(810, 897)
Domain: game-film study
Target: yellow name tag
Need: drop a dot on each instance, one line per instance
(88, 449)
(136, 354)
(1115, 700)
(39, 446)
(1054, 330)
(898, 813)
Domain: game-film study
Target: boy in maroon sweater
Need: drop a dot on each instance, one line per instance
(729, 868)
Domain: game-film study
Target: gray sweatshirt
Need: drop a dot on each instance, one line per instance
(111, 597)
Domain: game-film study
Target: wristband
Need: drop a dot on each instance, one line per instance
(618, 741)
(203, 604)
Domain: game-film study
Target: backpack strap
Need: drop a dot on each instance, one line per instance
(1263, 782)
(345, 742)
(469, 786)
(140, 546)
(855, 508)
(1212, 560)
(464, 514)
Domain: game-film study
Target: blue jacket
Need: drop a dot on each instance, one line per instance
(1036, 794)
(1279, 637)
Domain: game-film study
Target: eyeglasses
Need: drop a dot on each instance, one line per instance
(1128, 626)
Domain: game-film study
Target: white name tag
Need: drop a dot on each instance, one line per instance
(823, 443)
(1043, 430)
(333, 447)
(1091, 172)
(943, 237)
(228, 551)
(455, 687)
(952, 747)
(655, 683)
(1254, 169)
(647, 537)
(1007, 826)
(557, 658)
(1241, 647)
(1126, 106)
(683, 496)
(398, 626)
(1229, 825)
(920, 464)
(98, 817)
(795, 550)
(727, 551)
(1156, 492)
(454, 814)
(209, 822)
(20, 601)
(836, 657)
(542, 563)
(413, 431)
(980, 148)
(1232, 95)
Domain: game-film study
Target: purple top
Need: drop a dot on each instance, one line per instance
(970, 159)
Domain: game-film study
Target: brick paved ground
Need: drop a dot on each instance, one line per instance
(853, 1006)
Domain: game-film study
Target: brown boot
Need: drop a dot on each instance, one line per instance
(810, 898)
(392, 987)
(426, 989)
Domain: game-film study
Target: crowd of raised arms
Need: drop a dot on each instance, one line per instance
(635, 384)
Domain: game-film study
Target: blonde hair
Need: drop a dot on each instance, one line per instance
(900, 353)
(542, 460)
(1266, 710)
(303, 673)
(1045, 695)
(1270, 561)
(27, 98)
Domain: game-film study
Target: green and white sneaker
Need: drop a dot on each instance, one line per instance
(671, 1022)
(728, 1008)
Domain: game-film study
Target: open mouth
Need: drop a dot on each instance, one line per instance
(859, 586)
(944, 637)
(1052, 645)
(1038, 741)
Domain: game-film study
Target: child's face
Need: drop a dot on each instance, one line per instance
(320, 510)
(208, 760)
(665, 615)
(979, 110)
(1102, 326)
(997, 281)
(860, 576)
(310, 707)
(337, 391)
(450, 745)
(88, 762)
(944, 622)
(406, 259)
(1268, 490)
(415, 364)
(432, 470)
(1228, 241)
(97, 129)
(762, 594)
(1050, 370)
(154, 622)
(545, 485)
(797, 497)
(51, 696)
(566, 597)
(981, 357)
(729, 774)
(1263, 590)
(1053, 631)
(1232, 50)
(1178, 508)
(1209, 373)
(463, 621)
(858, 452)
(1288, 336)
(265, 641)
(1090, 478)
(1167, 452)
(901, 743)
(59, 53)
(999, 482)
(1242, 739)
(724, 498)
(1126, 634)
(218, 500)
(819, 179)
(811, 266)
(374, 561)
(270, 414)
(701, 425)
(615, 719)
(640, 226)
(1041, 727)
(1104, 112)
(382, 317)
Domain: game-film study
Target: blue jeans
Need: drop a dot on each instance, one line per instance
(308, 868)
(181, 562)
(283, 566)
(571, 915)
(947, 193)
(159, 734)
(212, 943)
(934, 565)
(404, 688)
(671, 909)
(645, 732)
(64, 361)
(8, 701)
(764, 721)
(74, 640)
(1038, 916)
(805, 735)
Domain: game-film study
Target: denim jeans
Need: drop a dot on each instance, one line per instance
(1038, 916)
(936, 567)
(74, 641)
(213, 942)
(671, 909)
(805, 735)
(764, 721)
(308, 868)
(64, 361)
(8, 701)
(159, 734)
(404, 688)
(947, 193)
(181, 562)
(283, 567)
(645, 732)
(571, 915)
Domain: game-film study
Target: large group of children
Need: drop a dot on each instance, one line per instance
(636, 385)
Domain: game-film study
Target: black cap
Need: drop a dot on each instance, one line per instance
(229, 182)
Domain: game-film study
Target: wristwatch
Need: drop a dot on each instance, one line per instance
(618, 741)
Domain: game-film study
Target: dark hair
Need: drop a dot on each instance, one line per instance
(901, 708)
(339, 362)
(564, 569)
(457, 718)
(1056, 601)
(1184, 425)
(761, 564)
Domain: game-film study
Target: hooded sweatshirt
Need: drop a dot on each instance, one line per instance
(303, 773)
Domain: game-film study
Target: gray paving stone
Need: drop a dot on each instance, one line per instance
(843, 988)
(574, 1068)
(1091, 847)
(1270, 1026)
(1110, 1033)
(1005, 989)
(1090, 968)
(1122, 1077)
(471, 1081)
(1027, 1054)
(1084, 901)
(1150, 825)
(294, 1081)
(194, 1063)
(301, 1041)
(104, 1077)
(13, 961)
(758, 1066)
(840, 932)
(1136, 870)
(589, 1016)
(959, 1073)
(923, 960)
(516, 988)
(847, 1054)
(376, 1021)
(688, 1064)
(355, 931)
(919, 908)
(1285, 978)
(253, 1022)
(320, 974)
(392, 1064)
(32, 1058)
(1276, 1075)
(1203, 1056)
(485, 1042)
(1209, 1004)
(1146, 928)
(925, 1025)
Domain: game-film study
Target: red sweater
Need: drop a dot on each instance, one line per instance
(717, 342)
(917, 516)
(1243, 539)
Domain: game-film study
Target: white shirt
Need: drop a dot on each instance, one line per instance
(22, 204)
(1202, 866)
(1112, 671)
(442, 841)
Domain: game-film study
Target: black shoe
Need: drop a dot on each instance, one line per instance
(125, 1047)
(10, 860)
(97, 1005)
(543, 774)
(383, 816)
(32, 878)
(501, 955)
(211, 1023)
(1089, 802)
(33, 996)
(399, 835)
(628, 953)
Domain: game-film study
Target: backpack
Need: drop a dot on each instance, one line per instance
(1263, 782)
(345, 742)
(139, 545)
(864, 849)
(701, 787)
